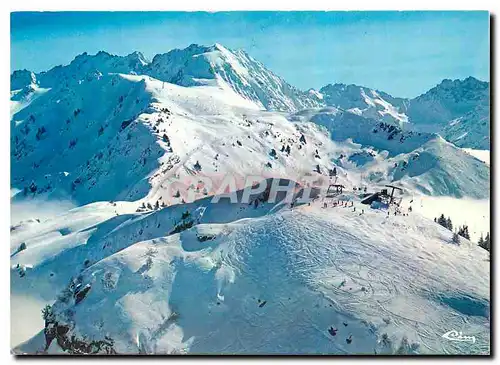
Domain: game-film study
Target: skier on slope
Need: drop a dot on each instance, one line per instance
(332, 331)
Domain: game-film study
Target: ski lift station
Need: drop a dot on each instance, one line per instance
(383, 198)
(334, 190)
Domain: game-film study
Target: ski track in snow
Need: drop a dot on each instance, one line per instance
(314, 267)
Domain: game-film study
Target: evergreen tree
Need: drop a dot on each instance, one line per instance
(464, 231)
(456, 238)
(442, 221)
(449, 225)
(485, 243)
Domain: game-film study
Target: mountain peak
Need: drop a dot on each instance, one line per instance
(221, 66)
(468, 82)
(136, 59)
(219, 46)
(21, 78)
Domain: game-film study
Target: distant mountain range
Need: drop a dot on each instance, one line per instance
(458, 110)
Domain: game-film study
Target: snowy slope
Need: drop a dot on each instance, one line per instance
(472, 212)
(66, 138)
(21, 98)
(438, 168)
(343, 125)
(63, 144)
(470, 130)
(418, 161)
(273, 284)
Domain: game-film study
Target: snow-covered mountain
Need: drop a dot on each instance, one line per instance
(365, 102)
(193, 66)
(199, 65)
(132, 142)
(419, 161)
(458, 110)
(449, 100)
(142, 132)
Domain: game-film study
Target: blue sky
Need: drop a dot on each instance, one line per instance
(402, 53)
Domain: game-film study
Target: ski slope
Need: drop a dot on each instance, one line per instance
(276, 283)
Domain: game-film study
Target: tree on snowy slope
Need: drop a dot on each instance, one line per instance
(445, 222)
(449, 225)
(485, 242)
(464, 231)
(442, 220)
